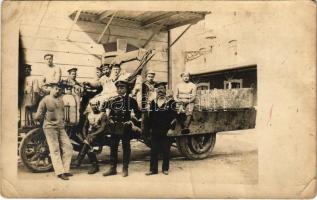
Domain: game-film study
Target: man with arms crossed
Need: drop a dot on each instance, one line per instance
(162, 114)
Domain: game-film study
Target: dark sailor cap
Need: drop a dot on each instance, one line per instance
(160, 84)
(105, 65)
(72, 69)
(53, 84)
(27, 66)
(122, 82)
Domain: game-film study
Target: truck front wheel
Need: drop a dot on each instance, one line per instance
(34, 151)
(196, 146)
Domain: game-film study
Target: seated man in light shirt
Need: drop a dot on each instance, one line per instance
(108, 80)
(185, 95)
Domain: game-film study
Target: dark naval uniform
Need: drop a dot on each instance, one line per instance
(120, 114)
(160, 119)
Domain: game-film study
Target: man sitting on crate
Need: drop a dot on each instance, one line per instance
(123, 109)
(185, 94)
(107, 81)
(96, 127)
(51, 109)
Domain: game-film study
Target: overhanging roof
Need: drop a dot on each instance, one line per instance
(142, 19)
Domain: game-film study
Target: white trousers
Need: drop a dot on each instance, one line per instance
(61, 149)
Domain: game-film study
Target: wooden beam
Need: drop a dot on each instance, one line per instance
(104, 30)
(169, 46)
(169, 62)
(158, 18)
(104, 15)
(74, 22)
(155, 31)
(191, 21)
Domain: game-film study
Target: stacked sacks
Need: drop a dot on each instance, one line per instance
(221, 99)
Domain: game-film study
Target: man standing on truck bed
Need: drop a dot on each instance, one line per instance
(51, 109)
(72, 78)
(31, 96)
(52, 72)
(185, 94)
(145, 92)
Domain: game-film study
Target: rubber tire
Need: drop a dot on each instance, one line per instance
(146, 141)
(38, 132)
(184, 147)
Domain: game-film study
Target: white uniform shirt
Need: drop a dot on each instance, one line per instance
(52, 74)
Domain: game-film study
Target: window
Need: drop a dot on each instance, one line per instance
(232, 83)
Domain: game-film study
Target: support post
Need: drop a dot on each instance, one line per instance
(74, 22)
(155, 31)
(180, 35)
(169, 61)
(105, 29)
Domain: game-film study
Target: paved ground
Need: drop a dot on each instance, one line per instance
(234, 160)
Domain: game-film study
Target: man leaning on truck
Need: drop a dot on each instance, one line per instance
(51, 109)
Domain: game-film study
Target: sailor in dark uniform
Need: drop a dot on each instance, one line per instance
(71, 79)
(121, 108)
(161, 117)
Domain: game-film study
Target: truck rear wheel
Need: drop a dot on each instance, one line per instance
(196, 146)
(34, 151)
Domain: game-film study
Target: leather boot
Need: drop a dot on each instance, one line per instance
(110, 172)
(81, 155)
(94, 161)
(187, 124)
(94, 168)
(125, 172)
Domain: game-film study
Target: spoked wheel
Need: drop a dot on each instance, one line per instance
(34, 151)
(196, 146)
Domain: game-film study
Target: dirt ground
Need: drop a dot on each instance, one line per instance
(234, 160)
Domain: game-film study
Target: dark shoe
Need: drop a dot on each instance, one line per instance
(68, 174)
(110, 172)
(185, 131)
(150, 173)
(63, 177)
(81, 155)
(165, 172)
(125, 172)
(94, 169)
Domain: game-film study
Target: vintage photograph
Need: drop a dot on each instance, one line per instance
(112, 95)
(167, 84)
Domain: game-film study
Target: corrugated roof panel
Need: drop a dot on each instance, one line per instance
(145, 19)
